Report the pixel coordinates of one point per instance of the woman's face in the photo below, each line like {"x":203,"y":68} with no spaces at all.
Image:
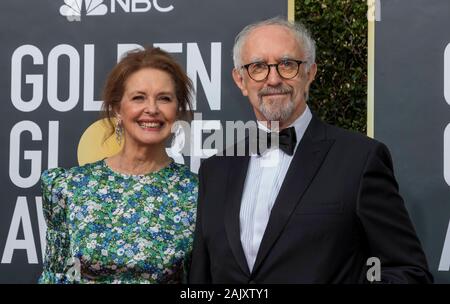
{"x":148,"y":107}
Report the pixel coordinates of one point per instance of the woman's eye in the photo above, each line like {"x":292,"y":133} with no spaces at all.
{"x":165,"y":98}
{"x":137,"y":97}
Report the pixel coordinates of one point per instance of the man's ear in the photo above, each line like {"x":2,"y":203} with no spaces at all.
{"x":239,"y":81}
{"x":312,"y":73}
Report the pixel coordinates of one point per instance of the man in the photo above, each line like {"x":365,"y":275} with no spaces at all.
{"x":329,"y":205}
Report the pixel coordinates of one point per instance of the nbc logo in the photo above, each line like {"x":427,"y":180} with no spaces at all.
{"x":73,"y":9}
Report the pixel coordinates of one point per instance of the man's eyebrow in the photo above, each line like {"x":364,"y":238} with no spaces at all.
{"x":259,"y":59}
{"x":256,"y":59}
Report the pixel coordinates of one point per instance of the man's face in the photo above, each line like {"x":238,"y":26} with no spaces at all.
{"x":275,"y":98}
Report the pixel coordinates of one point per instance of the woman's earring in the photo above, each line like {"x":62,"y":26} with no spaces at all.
{"x":119,"y":130}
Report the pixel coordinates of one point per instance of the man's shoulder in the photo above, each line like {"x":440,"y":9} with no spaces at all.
{"x":354,"y":145}
{"x":350,"y":138}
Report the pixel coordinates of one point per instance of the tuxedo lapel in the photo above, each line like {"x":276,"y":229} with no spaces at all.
{"x":308,"y":158}
{"x":235,"y":184}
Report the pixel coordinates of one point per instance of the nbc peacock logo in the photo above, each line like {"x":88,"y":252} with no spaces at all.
{"x":73,"y":9}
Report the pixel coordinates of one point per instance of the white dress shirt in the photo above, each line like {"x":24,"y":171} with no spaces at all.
{"x":265,"y":176}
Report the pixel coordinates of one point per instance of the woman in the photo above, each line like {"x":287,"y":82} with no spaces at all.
{"x":128,"y":218}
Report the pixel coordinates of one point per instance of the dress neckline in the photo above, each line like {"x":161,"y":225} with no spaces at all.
{"x":126,"y":175}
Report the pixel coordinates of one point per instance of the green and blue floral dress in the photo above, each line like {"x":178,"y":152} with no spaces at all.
{"x":108,"y":227}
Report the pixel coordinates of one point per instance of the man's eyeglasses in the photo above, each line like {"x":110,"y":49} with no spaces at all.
{"x":287,"y":69}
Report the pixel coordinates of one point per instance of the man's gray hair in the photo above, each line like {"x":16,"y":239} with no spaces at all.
{"x":297,"y":28}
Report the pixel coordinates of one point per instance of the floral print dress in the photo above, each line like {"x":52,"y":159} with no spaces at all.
{"x":108,"y":227}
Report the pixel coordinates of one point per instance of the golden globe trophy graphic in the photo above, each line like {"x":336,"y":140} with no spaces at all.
{"x":95,"y":144}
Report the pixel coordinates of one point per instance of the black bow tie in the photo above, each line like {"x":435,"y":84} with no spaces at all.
{"x":287,"y":139}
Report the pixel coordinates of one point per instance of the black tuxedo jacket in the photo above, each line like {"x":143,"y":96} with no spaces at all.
{"x":338,"y":206}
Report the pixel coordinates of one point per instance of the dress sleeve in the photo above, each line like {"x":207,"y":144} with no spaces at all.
{"x":191,"y":209}
{"x":53,"y":182}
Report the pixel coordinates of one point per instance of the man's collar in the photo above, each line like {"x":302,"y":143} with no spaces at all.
{"x":300,"y":124}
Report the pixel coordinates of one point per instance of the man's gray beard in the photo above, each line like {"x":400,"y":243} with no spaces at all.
{"x":274,"y":113}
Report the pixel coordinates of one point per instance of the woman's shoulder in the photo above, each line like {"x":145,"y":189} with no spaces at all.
{"x":184,"y":172}
{"x":184,"y":183}
{"x":54,"y":175}
{"x":49,"y":176}
{"x":57,"y":184}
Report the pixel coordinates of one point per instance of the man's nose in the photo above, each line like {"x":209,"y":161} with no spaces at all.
{"x":273,"y":78}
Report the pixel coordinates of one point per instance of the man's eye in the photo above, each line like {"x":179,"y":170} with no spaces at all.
{"x":288,"y":64}
{"x":258,"y":66}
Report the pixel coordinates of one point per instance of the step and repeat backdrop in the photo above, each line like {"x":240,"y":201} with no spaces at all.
{"x":54,"y":58}
{"x":412,"y":114}
{"x":56,"y":54}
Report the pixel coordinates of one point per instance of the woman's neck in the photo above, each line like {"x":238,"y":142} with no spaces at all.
{"x":139,"y":161}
